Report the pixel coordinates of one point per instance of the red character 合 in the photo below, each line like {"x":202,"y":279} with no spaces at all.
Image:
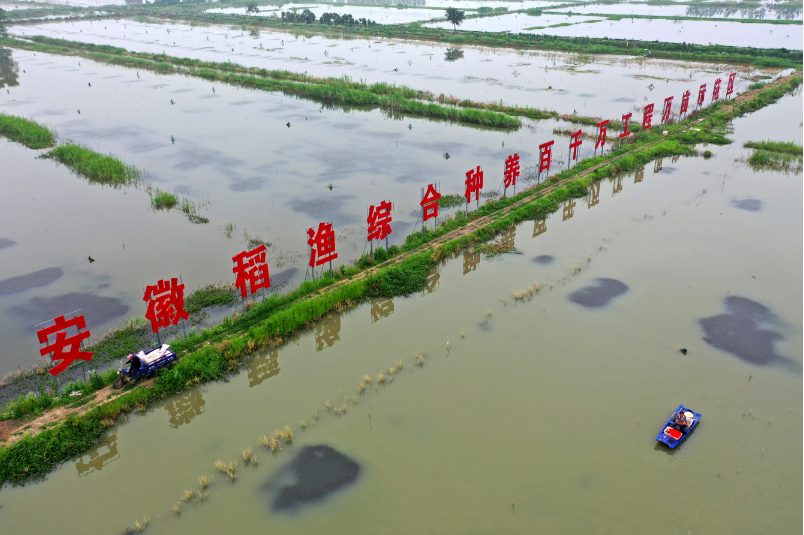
{"x":322,"y":244}
{"x":71,"y":344}
{"x":716,"y":90}
{"x":647,"y":117}
{"x":685,"y":102}
{"x":601,"y":133}
{"x":167,"y":306}
{"x":251,"y":270}
{"x":545,"y":155}
{"x":626,"y":119}
{"x":429,"y":203}
{"x":701,"y":95}
{"x":575,"y":142}
{"x":474,"y":183}
{"x":379,"y":221}
{"x":511,"y":170}
{"x":668,"y":105}
{"x":730,"y":86}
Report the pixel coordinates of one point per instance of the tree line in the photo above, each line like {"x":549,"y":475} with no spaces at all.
{"x":308,"y":17}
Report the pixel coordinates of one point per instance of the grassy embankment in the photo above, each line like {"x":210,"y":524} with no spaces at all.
{"x":30,"y":133}
{"x":778,"y":155}
{"x":220,"y":351}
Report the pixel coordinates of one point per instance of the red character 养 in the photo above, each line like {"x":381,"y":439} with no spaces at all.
{"x":511,"y":170}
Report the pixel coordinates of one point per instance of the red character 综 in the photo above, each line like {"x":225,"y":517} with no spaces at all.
{"x":545,"y":155}
{"x":429,"y":203}
{"x":716,"y":90}
{"x":322,"y":244}
{"x":575,"y":142}
{"x":167,"y":305}
{"x":730,"y":86}
{"x":668,"y":105}
{"x":379,"y":221}
{"x":701,"y":95}
{"x":72,"y":344}
{"x":601,"y":134}
{"x":647,"y":117}
{"x":626,"y":119}
{"x":474,"y":183}
{"x":685,"y":102}
{"x":511,"y":170}
{"x":251,"y":270}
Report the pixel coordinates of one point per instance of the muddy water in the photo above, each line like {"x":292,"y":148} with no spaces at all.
{"x":540,"y":414}
{"x":562,"y":82}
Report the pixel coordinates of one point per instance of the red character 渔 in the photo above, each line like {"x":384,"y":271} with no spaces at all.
{"x":251,"y":270}
{"x":716,"y":90}
{"x":71,"y":344}
{"x":730,"y":85}
{"x":322,"y":244}
{"x":165,"y":303}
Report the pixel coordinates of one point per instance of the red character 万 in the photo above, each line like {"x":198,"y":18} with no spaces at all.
{"x":668,"y":105}
{"x":474,"y":183}
{"x":65,"y":349}
{"x":730,"y":85}
{"x":647,"y":117}
{"x":511,"y":170}
{"x":601,"y":134}
{"x":165,"y":304}
{"x":626,"y":119}
{"x":701,"y":95}
{"x":379,"y":221}
{"x":685,"y":102}
{"x":429,"y":203}
{"x":716,"y":90}
{"x":575,"y":142}
{"x":322,"y":244}
{"x":251,"y":270}
{"x":545,"y":155}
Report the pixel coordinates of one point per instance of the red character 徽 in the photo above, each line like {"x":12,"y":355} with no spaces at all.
{"x":511,"y":170}
{"x":167,"y":306}
{"x":322,"y":244}
{"x":474,"y":183}
{"x":251,"y":270}
{"x":72,"y":344}
{"x":601,"y":134}
{"x":429,"y":203}
{"x":379,"y":220}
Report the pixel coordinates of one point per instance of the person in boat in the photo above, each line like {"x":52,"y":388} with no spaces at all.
{"x":682,"y":421}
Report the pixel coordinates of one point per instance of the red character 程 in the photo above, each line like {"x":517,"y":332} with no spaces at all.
{"x":730,"y":85}
{"x":71,"y":344}
{"x":251,"y":270}
{"x":322,"y":244}
{"x":685,"y":102}
{"x":647,"y":117}
{"x":429,"y":203}
{"x":511,"y":170}
{"x":668,"y":105}
{"x":545,"y":155}
{"x":626,"y":119}
{"x":601,"y":133}
{"x":379,"y":220}
{"x":716,"y":90}
{"x":575,"y":142}
{"x":474,"y":183}
{"x":701,"y":95}
{"x":167,"y":305}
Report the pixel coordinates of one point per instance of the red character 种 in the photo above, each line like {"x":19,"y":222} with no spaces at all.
{"x":251,"y":270}
{"x":575,"y":142}
{"x":701,"y":95}
{"x":601,"y":134}
{"x":379,"y":220}
{"x":474,"y":183}
{"x":545,"y":155}
{"x":626,"y":118}
{"x":730,"y":86}
{"x":322,"y":244}
{"x":72,"y":344}
{"x":716,"y":90}
{"x":511,"y":170}
{"x":685,"y":102}
{"x":429,"y":203}
{"x":668,"y":105}
{"x":167,"y":306}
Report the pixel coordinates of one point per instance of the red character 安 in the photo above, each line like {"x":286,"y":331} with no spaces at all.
{"x":322,"y":244}
{"x":65,"y":349}
{"x":379,"y":221}
{"x":251,"y":270}
{"x":429,"y":203}
{"x":474,"y":183}
{"x":165,"y":303}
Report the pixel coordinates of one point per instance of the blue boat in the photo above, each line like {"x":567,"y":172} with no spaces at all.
{"x":671,"y":434}
{"x":144,"y":363}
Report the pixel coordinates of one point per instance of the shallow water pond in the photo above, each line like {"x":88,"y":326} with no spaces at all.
{"x":635,"y":8}
{"x":381,"y":15}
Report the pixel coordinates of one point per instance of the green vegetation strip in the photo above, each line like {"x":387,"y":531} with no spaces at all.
{"x":30,"y":133}
{"x":97,"y":168}
{"x":221,"y":351}
{"x":777,"y":155}
{"x":611,"y":16}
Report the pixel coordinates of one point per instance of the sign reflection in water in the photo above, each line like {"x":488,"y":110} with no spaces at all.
{"x":594,"y":195}
{"x":327,"y":331}
{"x":470,"y":261}
{"x":381,"y":308}
{"x":539,"y":227}
{"x":569,"y":209}
{"x":262,"y":366}
{"x":98,"y":457}
{"x":639,"y":175}
{"x":431,"y":284}
{"x":185,"y":407}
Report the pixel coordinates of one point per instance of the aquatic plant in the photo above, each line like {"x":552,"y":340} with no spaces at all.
{"x":187,"y":495}
{"x":287,"y":435}
{"x":366,"y":378}
{"x":380,"y":378}
{"x":205,"y":480}
{"x":247,"y":455}
{"x":96,"y":168}
{"x":361,"y":388}
{"x":303,"y":424}
{"x":30,"y":133}
{"x":176,"y":508}
{"x":141,"y":525}
{"x":163,"y":200}
{"x":785,"y":147}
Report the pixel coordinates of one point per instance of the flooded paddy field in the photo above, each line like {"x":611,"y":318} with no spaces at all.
{"x":532,"y":414}
{"x":380,"y":15}
{"x":766,"y":12}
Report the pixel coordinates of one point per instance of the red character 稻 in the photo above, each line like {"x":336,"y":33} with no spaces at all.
{"x":701,"y":95}
{"x":251,"y":270}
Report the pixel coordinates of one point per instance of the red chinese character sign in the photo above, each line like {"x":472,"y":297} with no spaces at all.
{"x":251,"y":271}
{"x":65,"y":348}
{"x":716,"y":90}
{"x":429,"y":203}
{"x":601,"y":135}
{"x":165,"y":304}
{"x":668,"y":106}
{"x":685,"y":102}
{"x":575,"y":142}
{"x":379,"y":223}
{"x":730,"y":86}
{"x":322,"y":245}
{"x":647,"y":117}
{"x":511,"y":171}
{"x":626,"y":132}
{"x":474,"y":183}
{"x":545,"y":155}
{"x":701,"y":95}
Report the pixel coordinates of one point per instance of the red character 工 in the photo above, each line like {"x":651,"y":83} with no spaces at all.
{"x":685,"y":102}
{"x":429,"y":203}
{"x":322,"y":244}
{"x":701,"y":95}
{"x":601,"y":134}
{"x":668,"y":104}
{"x":575,"y":142}
{"x":626,"y":118}
{"x":716,"y":90}
{"x":251,"y":270}
{"x":545,"y":155}
{"x":647,"y":117}
{"x":474,"y":183}
{"x":72,"y":344}
{"x":167,"y":306}
{"x":511,"y":170}
{"x":730,"y":86}
{"x":379,"y":220}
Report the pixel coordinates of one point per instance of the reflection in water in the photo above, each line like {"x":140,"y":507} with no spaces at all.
{"x":185,"y":407}
{"x":657,"y":165}
{"x":594,"y":194}
{"x":569,"y":209}
{"x":327,"y":331}
{"x":618,"y":186}
{"x":453,"y":54}
{"x":431,"y":284}
{"x":8,"y":69}
{"x":675,"y":158}
{"x":507,"y":237}
{"x":262,"y":366}
{"x":539,"y":227}
{"x":639,"y":175}
{"x":381,"y":308}
{"x":98,"y":457}
{"x":470,"y":261}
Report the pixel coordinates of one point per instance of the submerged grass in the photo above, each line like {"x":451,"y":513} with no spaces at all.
{"x":30,"y":133}
{"x":95,"y":167}
{"x":787,"y":147}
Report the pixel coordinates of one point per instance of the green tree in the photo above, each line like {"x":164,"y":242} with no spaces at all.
{"x":252,"y":8}
{"x":307,"y":17}
{"x":455,"y":17}
{"x":3,"y":24}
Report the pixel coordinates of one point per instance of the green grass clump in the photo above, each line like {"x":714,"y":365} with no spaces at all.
{"x":380,"y":254}
{"x":163,"y":200}
{"x":450,"y":201}
{"x":30,"y":133}
{"x":97,"y":168}
{"x":787,"y":147}
{"x":775,"y":160}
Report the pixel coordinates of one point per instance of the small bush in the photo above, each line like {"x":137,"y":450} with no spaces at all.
{"x":96,"y":381}
{"x":365,"y":261}
{"x":380,"y":255}
{"x":393,"y":251}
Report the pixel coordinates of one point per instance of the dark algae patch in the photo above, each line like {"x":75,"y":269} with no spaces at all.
{"x":544,"y":259}
{"x":31,"y":280}
{"x":96,"y":309}
{"x":5,"y":242}
{"x":315,"y":473}
{"x":598,"y":295}
{"x":752,"y":205}
{"x":740,"y":332}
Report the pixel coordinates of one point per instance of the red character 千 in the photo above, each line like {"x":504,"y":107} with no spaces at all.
{"x":322,"y":244}
{"x":251,"y":270}
{"x":167,"y":306}
{"x":72,"y":344}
